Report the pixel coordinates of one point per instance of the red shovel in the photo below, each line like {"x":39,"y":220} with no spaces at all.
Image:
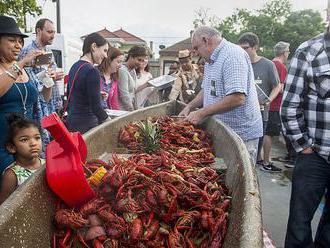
{"x":65,"y":156}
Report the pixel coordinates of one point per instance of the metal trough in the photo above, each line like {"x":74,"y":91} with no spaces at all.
{"x":26,"y":216}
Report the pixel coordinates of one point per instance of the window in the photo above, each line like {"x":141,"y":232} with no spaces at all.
{"x":58,"y":58}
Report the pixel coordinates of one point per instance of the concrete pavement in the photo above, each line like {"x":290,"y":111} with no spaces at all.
{"x":275,"y":196}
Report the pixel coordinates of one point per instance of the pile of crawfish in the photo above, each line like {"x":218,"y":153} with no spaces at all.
{"x":170,"y":198}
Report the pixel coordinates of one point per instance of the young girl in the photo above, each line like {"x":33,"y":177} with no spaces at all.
{"x":24,"y":142}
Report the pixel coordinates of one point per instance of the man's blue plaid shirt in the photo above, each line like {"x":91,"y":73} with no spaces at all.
{"x":43,"y":108}
{"x":230,"y":71}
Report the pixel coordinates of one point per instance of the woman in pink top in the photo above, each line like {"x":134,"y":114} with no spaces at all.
{"x":109,"y":71}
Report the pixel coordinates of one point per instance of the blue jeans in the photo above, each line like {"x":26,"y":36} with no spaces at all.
{"x":310,"y":181}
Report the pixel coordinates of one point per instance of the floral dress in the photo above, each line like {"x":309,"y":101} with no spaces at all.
{"x":22,"y":174}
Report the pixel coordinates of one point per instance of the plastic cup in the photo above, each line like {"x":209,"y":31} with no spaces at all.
{"x":48,"y":81}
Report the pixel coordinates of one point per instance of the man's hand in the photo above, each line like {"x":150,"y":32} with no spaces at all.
{"x":196,"y":117}
{"x":59,"y":75}
{"x":185,"y":111}
{"x":307,"y":150}
{"x":55,"y":74}
{"x":29,"y":58}
{"x":264,"y":103}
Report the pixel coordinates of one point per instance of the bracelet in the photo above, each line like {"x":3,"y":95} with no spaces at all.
{"x":10,"y":75}
{"x":17,"y":69}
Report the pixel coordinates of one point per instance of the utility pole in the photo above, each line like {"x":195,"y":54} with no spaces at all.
{"x":328,"y":11}
{"x":58,"y":15}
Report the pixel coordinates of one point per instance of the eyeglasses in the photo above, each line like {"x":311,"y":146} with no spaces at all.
{"x":245,"y":47}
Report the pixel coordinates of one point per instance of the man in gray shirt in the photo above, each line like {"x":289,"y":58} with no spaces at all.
{"x":267,"y":81}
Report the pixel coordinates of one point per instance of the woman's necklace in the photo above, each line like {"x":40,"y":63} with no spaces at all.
{"x":24,"y":99}
{"x":18,"y":79}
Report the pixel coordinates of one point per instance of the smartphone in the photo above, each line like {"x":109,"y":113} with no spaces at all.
{"x":44,"y":59}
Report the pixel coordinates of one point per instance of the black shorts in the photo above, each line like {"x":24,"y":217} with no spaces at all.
{"x":274,"y":124}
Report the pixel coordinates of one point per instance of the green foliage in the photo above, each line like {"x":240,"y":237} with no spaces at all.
{"x":301,"y":26}
{"x":274,"y":22}
{"x":276,"y":9}
{"x":19,"y":8}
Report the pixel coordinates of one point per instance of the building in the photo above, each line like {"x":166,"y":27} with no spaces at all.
{"x":170,"y":54}
{"x":121,"y":39}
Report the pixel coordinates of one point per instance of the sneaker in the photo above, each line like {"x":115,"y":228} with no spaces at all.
{"x":289,"y":165}
{"x":286,"y":159}
{"x":270,"y":168}
{"x":260,"y":162}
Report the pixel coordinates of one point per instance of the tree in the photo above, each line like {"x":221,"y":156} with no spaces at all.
{"x":301,"y":26}
{"x":274,"y":22}
{"x":19,"y":8}
{"x":234,"y":25}
{"x":203,"y":18}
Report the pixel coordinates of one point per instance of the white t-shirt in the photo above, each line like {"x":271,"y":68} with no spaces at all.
{"x":143,"y":78}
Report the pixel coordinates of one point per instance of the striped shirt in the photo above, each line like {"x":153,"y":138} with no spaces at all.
{"x":230,"y":71}
{"x":305,"y":110}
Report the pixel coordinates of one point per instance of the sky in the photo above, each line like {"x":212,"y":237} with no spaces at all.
{"x":163,"y":22}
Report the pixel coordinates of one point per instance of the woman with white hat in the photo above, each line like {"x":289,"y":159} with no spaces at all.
{"x":17,"y":93}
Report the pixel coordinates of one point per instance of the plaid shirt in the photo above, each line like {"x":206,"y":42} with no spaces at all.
{"x":55,"y":102}
{"x":305,"y":110}
{"x":230,"y":71}
{"x":44,"y":108}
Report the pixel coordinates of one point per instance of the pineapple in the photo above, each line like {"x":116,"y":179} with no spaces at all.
{"x":150,"y":135}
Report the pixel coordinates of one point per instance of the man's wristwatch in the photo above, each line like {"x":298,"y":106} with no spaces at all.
{"x":17,"y":69}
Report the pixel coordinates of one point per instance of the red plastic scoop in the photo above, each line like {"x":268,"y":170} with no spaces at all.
{"x":64,"y":158}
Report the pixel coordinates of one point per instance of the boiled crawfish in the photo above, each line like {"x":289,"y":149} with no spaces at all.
{"x":70,"y":219}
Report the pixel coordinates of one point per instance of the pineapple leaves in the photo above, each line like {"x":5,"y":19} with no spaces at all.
{"x":150,"y":135}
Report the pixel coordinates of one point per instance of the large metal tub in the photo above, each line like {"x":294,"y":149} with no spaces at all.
{"x":26,"y":216}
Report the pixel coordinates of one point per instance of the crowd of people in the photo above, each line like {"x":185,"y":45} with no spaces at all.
{"x":256,"y":97}
{"x":98,"y":81}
